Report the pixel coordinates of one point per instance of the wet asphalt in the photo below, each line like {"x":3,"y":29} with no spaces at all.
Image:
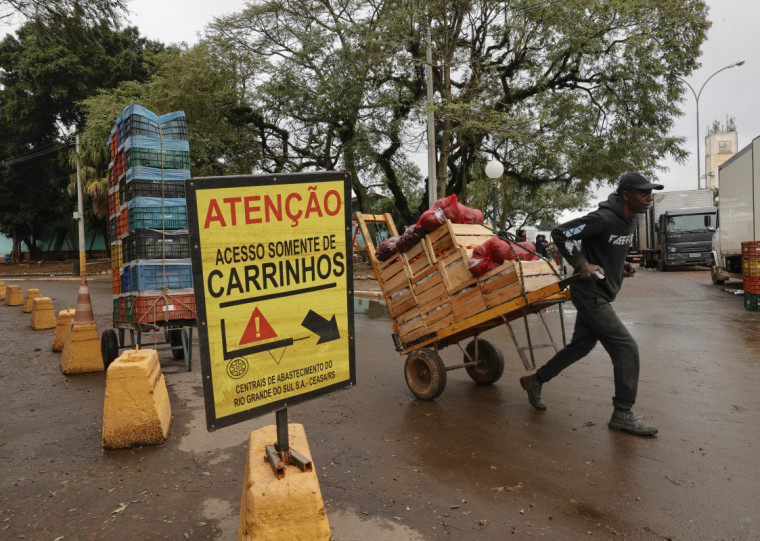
{"x":478,"y":463}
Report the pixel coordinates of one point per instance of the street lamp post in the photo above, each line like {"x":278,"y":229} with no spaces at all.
{"x":696,"y":99}
{"x":494,"y":169}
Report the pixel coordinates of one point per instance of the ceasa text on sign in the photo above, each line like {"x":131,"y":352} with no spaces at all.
{"x":272,"y":271}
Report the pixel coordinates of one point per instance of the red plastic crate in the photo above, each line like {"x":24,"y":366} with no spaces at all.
{"x":752,"y":284}
{"x":119,"y":166}
{"x":114,"y":145}
{"x":122,"y":222}
{"x":113,"y":203}
{"x":123,"y":307}
{"x":150,"y":308}
{"x":751,"y":249}
{"x":115,"y":281}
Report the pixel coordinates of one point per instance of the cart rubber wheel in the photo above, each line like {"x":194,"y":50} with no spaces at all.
{"x":175,"y":339}
{"x":109,"y":347}
{"x":491,"y":359}
{"x":425,"y":374}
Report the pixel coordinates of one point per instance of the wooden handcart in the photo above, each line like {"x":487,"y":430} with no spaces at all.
{"x":435,"y":301}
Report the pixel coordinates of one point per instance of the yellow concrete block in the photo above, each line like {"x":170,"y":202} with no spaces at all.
{"x":43,"y":314}
{"x":13,"y":296}
{"x":31,"y":294}
{"x":81,"y":351}
{"x":273,"y":509}
{"x":62,"y":328}
{"x":2,"y":291}
{"x":136,"y":410}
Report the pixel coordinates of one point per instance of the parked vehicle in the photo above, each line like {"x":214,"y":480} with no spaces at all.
{"x":739,"y":210}
{"x":677,"y":230}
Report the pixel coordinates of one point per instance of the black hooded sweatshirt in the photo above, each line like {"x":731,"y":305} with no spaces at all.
{"x":605,"y":236}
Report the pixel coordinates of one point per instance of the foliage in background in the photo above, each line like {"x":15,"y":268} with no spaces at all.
{"x":564,"y":93}
{"x":77,"y":18}
{"x":42,"y":81}
{"x":567,"y":94}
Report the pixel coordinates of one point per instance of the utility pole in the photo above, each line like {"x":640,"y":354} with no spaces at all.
{"x":79,"y":215}
{"x":432,"y":183}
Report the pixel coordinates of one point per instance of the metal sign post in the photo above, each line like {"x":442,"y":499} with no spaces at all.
{"x":280,"y":454}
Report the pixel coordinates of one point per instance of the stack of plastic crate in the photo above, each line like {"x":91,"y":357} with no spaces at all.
{"x":751,"y":274}
{"x":152,"y":276}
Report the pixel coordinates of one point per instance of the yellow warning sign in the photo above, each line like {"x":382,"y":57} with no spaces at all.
{"x":272,"y":275}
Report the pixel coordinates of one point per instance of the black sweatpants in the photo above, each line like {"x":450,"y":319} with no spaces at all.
{"x":596,"y":321}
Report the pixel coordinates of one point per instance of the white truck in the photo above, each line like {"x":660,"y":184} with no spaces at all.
{"x":739,"y":210}
{"x":677,"y":229}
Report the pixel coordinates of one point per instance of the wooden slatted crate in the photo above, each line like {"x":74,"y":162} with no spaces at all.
{"x":430,"y":287}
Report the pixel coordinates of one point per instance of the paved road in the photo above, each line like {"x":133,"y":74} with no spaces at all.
{"x":476,"y":464}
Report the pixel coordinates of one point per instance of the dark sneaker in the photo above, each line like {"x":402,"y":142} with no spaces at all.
{"x":532,"y":386}
{"x":626,"y":421}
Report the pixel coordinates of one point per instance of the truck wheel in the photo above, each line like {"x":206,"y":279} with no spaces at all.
{"x":425,"y":374}
{"x":714,"y":275}
{"x":109,"y":347}
{"x":490,"y":360}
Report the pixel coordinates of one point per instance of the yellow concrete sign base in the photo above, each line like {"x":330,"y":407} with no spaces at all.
{"x":136,"y":409}
{"x":81,"y":351}
{"x":43,"y":314}
{"x":2,"y":291}
{"x":274,"y":509}
{"x":62,"y":328}
{"x":31,"y":294}
{"x":14,"y":296}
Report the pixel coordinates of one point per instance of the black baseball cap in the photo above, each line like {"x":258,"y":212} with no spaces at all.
{"x":634,"y":180}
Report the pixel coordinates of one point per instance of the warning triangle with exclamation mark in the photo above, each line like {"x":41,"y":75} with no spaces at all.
{"x":258,"y":329}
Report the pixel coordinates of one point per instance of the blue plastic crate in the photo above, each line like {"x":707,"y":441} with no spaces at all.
{"x":126,"y":279}
{"x":157,"y":213}
{"x":153,"y":274}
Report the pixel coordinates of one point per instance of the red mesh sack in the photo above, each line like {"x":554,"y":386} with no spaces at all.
{"x":479,"y":266}
{"x":471,"y":215}
{"x":500,"y":250}
{"x":431,"y":219}
{"x":387,"y":248}
{"x":510,"y":251}
{"x":410,"y":237}
{"x":451,"y":208}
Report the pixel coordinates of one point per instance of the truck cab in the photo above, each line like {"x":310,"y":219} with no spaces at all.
{"x":685,"y":236}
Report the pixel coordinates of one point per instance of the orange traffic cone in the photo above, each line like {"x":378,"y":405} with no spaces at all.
{"x":83,"y":314}
{"x":81,"y":351}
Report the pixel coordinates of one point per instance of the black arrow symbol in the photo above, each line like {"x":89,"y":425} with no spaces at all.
{"x":327,"y":330}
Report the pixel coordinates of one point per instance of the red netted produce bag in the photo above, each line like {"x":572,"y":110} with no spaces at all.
{"x":431,"y":219}
{"x":471,"y":215}
{"x":502,"y":250}
{"x":402,"y":243}
{"x":496,"y":251}
{"x":387,"y":248}
{"x":479,"y":266}
{"x":410,"y":237}
{"x":453,"y":210}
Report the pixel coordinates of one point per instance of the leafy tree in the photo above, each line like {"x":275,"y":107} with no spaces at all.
{"x":328,"y":94}
{"x":74,"y":17}
{"x":570,"y":92}
{"x":41,"y":83}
